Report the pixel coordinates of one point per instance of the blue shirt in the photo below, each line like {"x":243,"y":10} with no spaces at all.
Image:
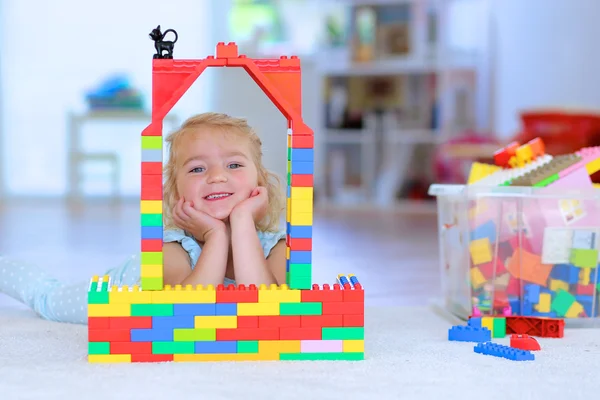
{"x":268,"y":240}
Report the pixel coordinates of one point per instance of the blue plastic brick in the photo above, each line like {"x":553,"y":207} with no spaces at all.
{"x":499,"y":350}
{"x":487,"y":230}
{"x":475,"y":322}
{"x":532,"y":293}
{"x":469,"y":334}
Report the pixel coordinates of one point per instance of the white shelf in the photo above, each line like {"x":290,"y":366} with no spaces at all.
{"x":396,"y":66}
{"x":400,"y":206}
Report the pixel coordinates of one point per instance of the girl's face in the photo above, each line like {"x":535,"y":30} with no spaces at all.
{"x":215,"y":171}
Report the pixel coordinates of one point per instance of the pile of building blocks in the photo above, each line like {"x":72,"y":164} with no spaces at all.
{"x":536,"y":255}
{"x":522,"y":329}
{"x":296,"y":321}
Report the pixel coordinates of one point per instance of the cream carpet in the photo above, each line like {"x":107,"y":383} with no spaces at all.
{"x":408,"y":357}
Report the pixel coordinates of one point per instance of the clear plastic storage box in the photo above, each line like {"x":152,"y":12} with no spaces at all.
{"x":530,"y":250}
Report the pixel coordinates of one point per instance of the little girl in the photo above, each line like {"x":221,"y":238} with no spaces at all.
{"x":221,"y":211}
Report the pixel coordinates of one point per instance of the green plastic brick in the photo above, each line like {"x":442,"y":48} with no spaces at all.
{"x":289,"y":154}
{"x":301,"y":308}
{"x":289,"y":179}
{"x":584,"y":258}
{"x":195,"y":335}
{"x":173,"y":347}
{"x":299,"y":282}
{"x":499,"y":327}
{"x":98,"y":298}
{"x":152,"y":219}
{"x":152,"y":310}
{"x":321,"y":356}
{"x":152,"y":257}
{"x":562,"y":302}
{"x":301,"y":270}
{"x":152,"y":142}
{"x":152,"y":284}
{"x":247,"y":346}
{"x":545,"y":182}
{"x":94,"y":287}
{"x":98,"y":348}
{"x":343,"y":333}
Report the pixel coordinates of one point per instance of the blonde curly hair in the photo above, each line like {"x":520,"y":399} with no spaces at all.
{"x":238,"y":126}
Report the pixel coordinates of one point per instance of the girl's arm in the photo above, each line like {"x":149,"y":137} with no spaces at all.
{"x":249,"y":261}
{"x":209,"y":269}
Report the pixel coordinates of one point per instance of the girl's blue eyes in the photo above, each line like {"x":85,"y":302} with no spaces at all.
{"x":232,"y":166}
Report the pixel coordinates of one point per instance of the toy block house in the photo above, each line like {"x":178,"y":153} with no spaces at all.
{"x":300,"y":320}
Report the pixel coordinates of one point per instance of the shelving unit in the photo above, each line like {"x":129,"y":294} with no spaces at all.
{"x":405,"y":104}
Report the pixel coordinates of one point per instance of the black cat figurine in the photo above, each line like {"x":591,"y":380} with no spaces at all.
{"x":163,"y":45}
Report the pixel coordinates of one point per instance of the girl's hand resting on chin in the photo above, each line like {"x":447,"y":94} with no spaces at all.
{"x":198,"y":223}
{"x":256,"y":205}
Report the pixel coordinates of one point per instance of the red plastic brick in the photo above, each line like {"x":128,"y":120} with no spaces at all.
{"x":248,"y":334}
{"x":303,"y":141}
{"x":239,"y":294}
{"x":302,"y":180}
{"x":586,"y":289}
{"x":151,"y":357}
{"x":98,"y":322}
{"x":354,"y":320}
{"x":247,"y":321}
{"x":152,"y":168}
{"x":354,"y":295}
{"x":524,"y":342}
{"x":131,"y":348}
{"x":326,"y":294}
{"x":152,"y":188}
{"x":153,"y":245}
{"x":131,"y":322}
{"x":299,"y":244}
{"x":279,"y":321}
{"x":227,"y":50}
{"x":487,"y":269}
{"x":321,"y":321}
{"x":343,"y":308}
{"x":535,"y":326}
{"x":109,"y":335}
{"x":300,"y":334}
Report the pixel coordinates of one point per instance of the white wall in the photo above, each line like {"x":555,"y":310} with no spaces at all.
{"x":53,"y":51}
{"x":547,"y":55}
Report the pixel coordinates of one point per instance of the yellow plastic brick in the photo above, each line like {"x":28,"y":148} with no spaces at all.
{"x":278,"y":294}
{"x":279,"y":346}
{"x":556,"y":285}
{"x":301,"y":193}
{"x":151,"y":271}
{"x":215,"y":321}
{"x":481,"y":251}
{"x":300,"y":205}
{"x":109,"y":310}
{"x":109,"y":358}
{"x":257,"y":309}
{"x":151,"y":207}
{"x":584,"y":276}
{"x":477,"y":278}
{"x":353,"y":346}
{"x":593,"y":166}
{"x":543,"y":305}
{"x":488,"y":322}
{"x":301,"y":219}
{"x":574,"y":311}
